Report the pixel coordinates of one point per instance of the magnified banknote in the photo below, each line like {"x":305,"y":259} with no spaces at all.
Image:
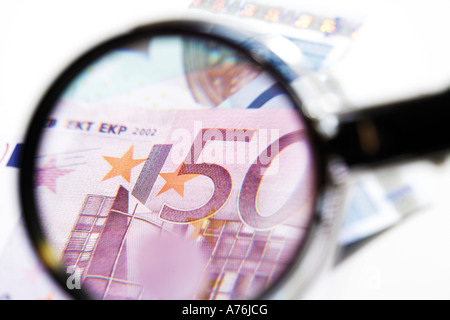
{"x":147,"y":192}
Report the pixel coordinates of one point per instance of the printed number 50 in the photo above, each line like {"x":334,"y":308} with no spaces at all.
{"x":218,"y":174}
{"x":223,"y":183}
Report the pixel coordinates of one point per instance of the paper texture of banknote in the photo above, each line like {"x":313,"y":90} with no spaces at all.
{"x":22,"y":275}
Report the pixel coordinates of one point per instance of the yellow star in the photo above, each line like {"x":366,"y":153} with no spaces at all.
{"x":175,"y":181}
{"x":210,"y":223}
{"x":216,"y":224}
{"x":198,"y":225}
{"x":122,"y":166}
{"x":201,"y":224}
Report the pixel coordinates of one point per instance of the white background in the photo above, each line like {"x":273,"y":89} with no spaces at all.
{"x":403,"y":50}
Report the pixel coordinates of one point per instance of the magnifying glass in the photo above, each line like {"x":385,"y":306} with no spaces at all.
{"x":186,"y":161}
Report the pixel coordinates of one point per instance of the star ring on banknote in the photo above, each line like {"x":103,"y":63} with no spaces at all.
{"x":189,"y":160}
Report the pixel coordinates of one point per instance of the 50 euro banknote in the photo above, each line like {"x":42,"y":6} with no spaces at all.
{"x":238,"y":186}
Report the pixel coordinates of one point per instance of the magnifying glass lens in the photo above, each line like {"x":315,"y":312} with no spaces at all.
{"x":173,"y":167}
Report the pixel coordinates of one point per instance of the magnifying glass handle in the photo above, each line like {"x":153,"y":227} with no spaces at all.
{"x":412,"y":128}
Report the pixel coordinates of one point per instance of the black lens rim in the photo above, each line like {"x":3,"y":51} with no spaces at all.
{"x":231,"y":37}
